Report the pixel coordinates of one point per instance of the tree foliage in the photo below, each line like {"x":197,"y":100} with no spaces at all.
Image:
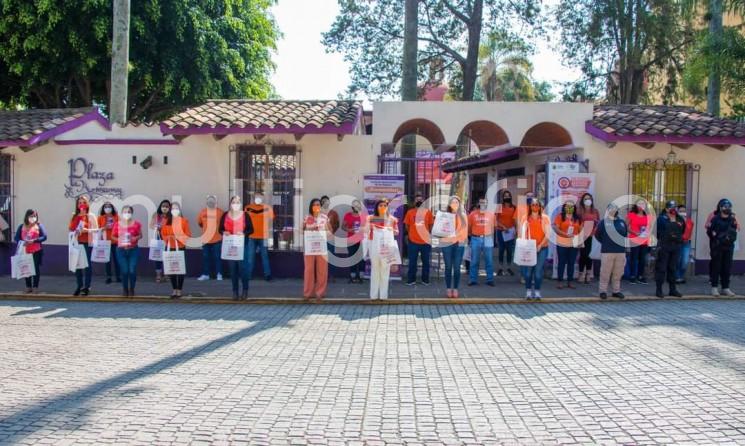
{"x":369,"y":33}
{"x":56,"y":53}
{"x":619,"y":44}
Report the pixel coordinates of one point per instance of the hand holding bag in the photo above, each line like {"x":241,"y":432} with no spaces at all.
{"x":526,"y":251}
{"x":156,"y":249}
{"x":232,"y":247}
{"x":101,"y":252}
{"x":315,"y":243}
{"x":174,"y":262}
{"x":77,"y":258}
{"x":444,"y":225}
{"x":22,"y":264}
{"x":595,"y":251}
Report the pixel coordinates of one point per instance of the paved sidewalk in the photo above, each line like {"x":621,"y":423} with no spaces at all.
{"x":150,"y":374}
{"x":506,"y":288}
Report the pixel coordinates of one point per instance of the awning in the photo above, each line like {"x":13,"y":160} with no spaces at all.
{"x":482,"y":160}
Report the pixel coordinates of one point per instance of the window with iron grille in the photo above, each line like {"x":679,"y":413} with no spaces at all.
{"x":662,"y":180}
{"x":257,"y":170}
{"x":6,"y":197}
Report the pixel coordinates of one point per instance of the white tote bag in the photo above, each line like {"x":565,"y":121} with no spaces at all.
{"x":22,"y":264}
{"x":156,"y":249}
{"x":526,"y":251}
{"x":315,"y":243}
{"x":174,"y":262}
{"x":101,"y":252}
{"x":384,"y":246}
{"x":444,"y":225}
{"x":595,"y":253}
{"x":232,"y":247}
{"x":77,"y":258}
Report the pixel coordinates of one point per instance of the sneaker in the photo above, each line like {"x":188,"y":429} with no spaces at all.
{"x":108,"y":280}
{"x":423,"y":283}
{"x":509,"y":271}
{"x":410,"y":283}
{"x":728,"y":292}
{"x":203,"y":277}
{"x":715,"y":291}
{"x":85,"y":291}
{"x":618,"y":295}
{"x":675,"y":293}
{"x":633,"y":281}
{"x":219,"y":277}
{"x":537,"y":295}
{"x":500,"y":272}
{"x":529,"y":294}
{"x":659,"y":293}
{"x":642,"y":280}
{"x":491,"y":283}
{"x":472,"y":283}
{"x":268,"y":278}
{"x":603,"y":296}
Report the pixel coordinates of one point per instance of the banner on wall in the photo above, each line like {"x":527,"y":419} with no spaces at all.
{"x":378,"y":186}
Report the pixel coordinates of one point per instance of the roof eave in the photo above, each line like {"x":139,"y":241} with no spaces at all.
{"x":671,"y":139}
{"x":43,"y":137}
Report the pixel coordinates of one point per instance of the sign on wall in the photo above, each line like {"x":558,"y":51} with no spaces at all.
{"x":84,"y":179}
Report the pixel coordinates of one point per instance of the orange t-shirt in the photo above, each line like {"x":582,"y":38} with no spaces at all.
{"x":536,"y":229}
{"x":506,"y":217}
{"x":106,"y":222}
{"x":262,"y":219}
{"x":419,"y":226}
{"x":83,"y":222}
{"x":209,"y":221}
{"x":481,"y":223}
{"x":568,"y":226}
{"x":176,"y":233}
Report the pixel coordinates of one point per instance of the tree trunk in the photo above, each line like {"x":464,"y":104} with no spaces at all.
{"x":713,"y":91}
{"x":409,"y":91}
{"x":470,"y":70}
{"x":119,"y":63}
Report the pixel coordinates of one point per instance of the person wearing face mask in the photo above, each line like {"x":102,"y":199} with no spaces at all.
{"x":84,"y":225}
{"x":722,"y":231}
{"x":352,"y":224}
{"x":454,"y":247}
{"x":209,"y":220}
{"x":236,"y":222}
{"x":685,"y":248}
{"x":535,"y":226}
{"x":175,"y":232}
{"x":106,"y":221}
{"x":611,"y":233}
{"x":315,"y":274}
{"x":262,"y":220}
{"x":567,"y":227}
{"x":506,"y":233}
{"x":481,"y":225}
{"x":589,"y":218}
{"x":127,"y":232}
{"x":333,"y":217}
{"x":32,"y":234}
{"x":707,"y":224}
{"x":380,"y":270}
{"x":156,"y":225}
{"x":640,"y":226}
{"x":670,"y":228}
{"x":418,"y":223}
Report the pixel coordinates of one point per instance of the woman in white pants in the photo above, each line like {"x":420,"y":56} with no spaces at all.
{"x":380,"y":270}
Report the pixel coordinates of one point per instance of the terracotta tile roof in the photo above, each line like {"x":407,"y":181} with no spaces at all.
{"x":30,"y":127}
{"x":659,"y":123}
{"x":247,"y":116}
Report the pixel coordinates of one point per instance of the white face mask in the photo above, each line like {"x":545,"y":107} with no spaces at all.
{"x":258,"y":200}
{"x":126,"y":215}
{"x":235,"y":206}
{"x":32,"y":220}
{"x":683,"y":213}
{"x":107,"y":210}
{"x":588,"y":202}
{"x":175,"y":212}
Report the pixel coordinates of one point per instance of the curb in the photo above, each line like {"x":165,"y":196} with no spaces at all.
{"x":346,"y":301}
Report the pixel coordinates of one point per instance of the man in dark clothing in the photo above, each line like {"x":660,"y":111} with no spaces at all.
{"x":612,"y":235}
{"x":722,"y":232}
{"x":670,"y":228}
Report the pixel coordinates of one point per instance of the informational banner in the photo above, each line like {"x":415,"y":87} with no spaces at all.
{"x":378,"y":186}
{"x":428,"y":167}
{"x":558,"y":171}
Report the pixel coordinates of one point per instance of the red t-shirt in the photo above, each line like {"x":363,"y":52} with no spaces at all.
{"x":354,"y":222}
{"x":640,"y":226}
{"x":125,"y":234}
{"x":236,"y":226}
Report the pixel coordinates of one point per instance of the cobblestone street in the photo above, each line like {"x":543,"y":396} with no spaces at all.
{"x":149,"y":374}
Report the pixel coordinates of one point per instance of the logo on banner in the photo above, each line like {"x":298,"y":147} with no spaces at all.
{"x":84,"y":179}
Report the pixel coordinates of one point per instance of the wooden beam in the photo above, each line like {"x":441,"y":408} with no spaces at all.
{"x":682,"y":146}
{"x":610,"y":144}
{"x":218,"y":137}
{"x":299,"y":136}
{"x":646,"y":145}
{"x":259,"y":136}
{"x":180,"y":138}
{"x":721,"y":147}
{"x":339,"y":137}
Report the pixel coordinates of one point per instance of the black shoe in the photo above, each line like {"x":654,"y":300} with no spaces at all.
{"x":618,"y":295}
{"x":643,"y":281}
{"x":235,"y":295}
{"x":108,"y":280}
{"x":244,"y":295}
{"x":132,"y":292}
{"x":425,"y":283}
{"x":490,"y":283}
{"x":603,"y":296}
{"x":118,"y":280}
{"x":679,"y":281}
{"x":125,"y":293}
{"x":509,"y":271}
{"x":659,"y":293}
{"x":85,"y":291}
{"x":500,"y":272}
{"x":633,"y":281}
{"x":76,"y":292}
{"x":410,"y":283}
{"x":268,"y":278}
{"x":675,"y":293}
{"x":472,"y":283}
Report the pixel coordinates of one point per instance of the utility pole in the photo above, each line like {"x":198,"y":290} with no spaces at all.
{"x":713,"y":92}
{"x":119,"y":63}
{"x":409,"y":89}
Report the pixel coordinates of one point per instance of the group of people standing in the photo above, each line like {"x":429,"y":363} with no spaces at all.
{"x":624,"y":243}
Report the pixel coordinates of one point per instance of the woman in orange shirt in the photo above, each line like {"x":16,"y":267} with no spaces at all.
{"x":453,"y":247}
{"x":106,"y":221}
{"x":506,"y":233}
{"x":536,"y":226}
{"x":83,"y":224}
{"x":567,"y":227}
{"x":175,"y":232}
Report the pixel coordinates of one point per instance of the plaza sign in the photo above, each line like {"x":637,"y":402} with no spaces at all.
{"x":85,"y":180}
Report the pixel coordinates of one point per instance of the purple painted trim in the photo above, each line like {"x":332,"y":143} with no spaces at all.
{"x":106,"y":141}
{"x":701,"y":267}
{"x":347,"y":128}
{"x":496,"y":157}
{"x":673,"y":139}
{"x":93,"y":115}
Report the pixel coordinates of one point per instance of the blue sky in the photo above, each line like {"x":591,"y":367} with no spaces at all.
{"x":305,"y":71}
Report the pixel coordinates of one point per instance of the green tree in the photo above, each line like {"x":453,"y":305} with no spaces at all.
{"x":618,"y":44}
{"x":56,"y":53}
{"x":369,"y":33}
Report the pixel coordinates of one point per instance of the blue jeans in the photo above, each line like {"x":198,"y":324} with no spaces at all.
{"x":262,"y":245}
{"x":567,"y":257}
{"x":211,"y":253}
{"x":506,"y":249}
{"x":478,"y":245}
{"x":83,"y":276}
{"x":127,"y":259}
{"x":533,"y":275}
{"x":453,"y":257}
{"x":638,"y":261}
{"x":113,"y":261}
{"x":685,"y":252}
{"x":415,"y":249}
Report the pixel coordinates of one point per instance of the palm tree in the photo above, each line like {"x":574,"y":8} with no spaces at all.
{"x":505,"y":71}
